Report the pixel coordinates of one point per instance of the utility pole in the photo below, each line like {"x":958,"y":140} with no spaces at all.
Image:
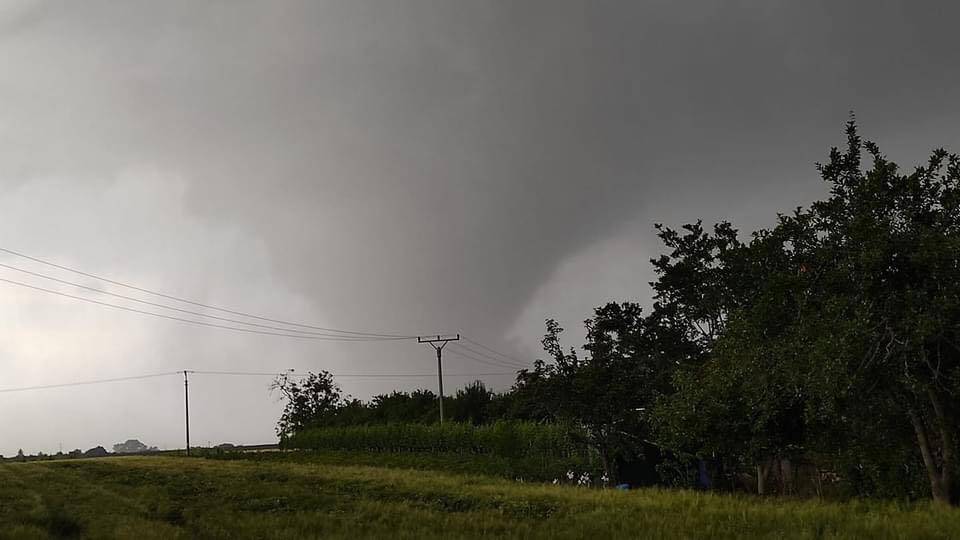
{"x":186,"y":408}
{"x":442,"y":340}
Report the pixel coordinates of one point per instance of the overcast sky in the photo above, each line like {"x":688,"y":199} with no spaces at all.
{"x":398,"y":166}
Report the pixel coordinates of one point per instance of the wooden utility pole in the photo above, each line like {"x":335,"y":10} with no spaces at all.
{"x":186,"y":408}
{"x":433,"y":341}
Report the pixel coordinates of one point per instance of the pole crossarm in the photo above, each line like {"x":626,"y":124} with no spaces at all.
{"x":439,"y":338}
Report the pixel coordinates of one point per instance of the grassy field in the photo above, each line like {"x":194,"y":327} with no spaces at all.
{"x":170,"y":497}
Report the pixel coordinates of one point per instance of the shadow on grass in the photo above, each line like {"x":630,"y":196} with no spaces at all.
{"x":54,"y":519}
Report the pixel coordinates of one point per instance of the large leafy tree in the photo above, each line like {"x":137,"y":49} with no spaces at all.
{"x":843,"y":313}
{"x":310,"y":401}
{"x":888,"y":259}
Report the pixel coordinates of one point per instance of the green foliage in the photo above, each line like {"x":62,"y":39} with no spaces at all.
{"x":317,"y":401}
{"x":608,"y":392}
{"x":699,"y":282}
{"x":508,"y":439}
{"x":471,"y":404}
{"x":838,"y":338}
{"x":889,"y":256}
{"x":513,"y":449}
{"x":417,"y":406}
{"x":309,"y":401}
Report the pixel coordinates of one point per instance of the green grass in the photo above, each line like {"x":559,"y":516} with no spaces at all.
{"x":169,"y":497}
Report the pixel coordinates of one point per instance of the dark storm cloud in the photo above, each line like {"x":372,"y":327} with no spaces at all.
{"x":433,"y":166}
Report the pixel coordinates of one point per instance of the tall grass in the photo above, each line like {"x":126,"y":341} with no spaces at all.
{"x":535,"y":452}
{"x":506,"y":439}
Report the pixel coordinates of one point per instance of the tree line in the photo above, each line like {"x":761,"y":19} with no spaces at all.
{"x":829,"y":340}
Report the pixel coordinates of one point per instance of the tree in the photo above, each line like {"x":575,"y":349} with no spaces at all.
{"x":888,"y":245}
{"x":470,"y":404}
{"x":741,"y":404}
{"x":132,"y":446}
{"x":418,"y":406}
{"x":610,"y":391}
{"x":96,"y":451}
{"x":309,"y":402}
{"x":531,"y":396}
{"x":842,"y":313}
{"x":702,"y":281}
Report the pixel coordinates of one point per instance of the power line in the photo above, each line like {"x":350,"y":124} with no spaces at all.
{"x":340,"y":335}
{"x":199,"y":304}
{"x":494,"y":351}
{"x":352,"y":375}
{"x":243,"y":373}
{"x":481,"y":360}
{"x":201,"y":323}
{"x":493,"y":358}
{"x":164,"y":306}
{"x":250,"y":373}
{"x":83,"y":383}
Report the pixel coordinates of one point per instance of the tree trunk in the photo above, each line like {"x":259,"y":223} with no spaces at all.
{"x":786,"y":476}
{"x":819,"y":483}
{"x":947,"y":447}
{"x":605,"y":463}
{"x":762,"y":470}
{"x":938,"y":475}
